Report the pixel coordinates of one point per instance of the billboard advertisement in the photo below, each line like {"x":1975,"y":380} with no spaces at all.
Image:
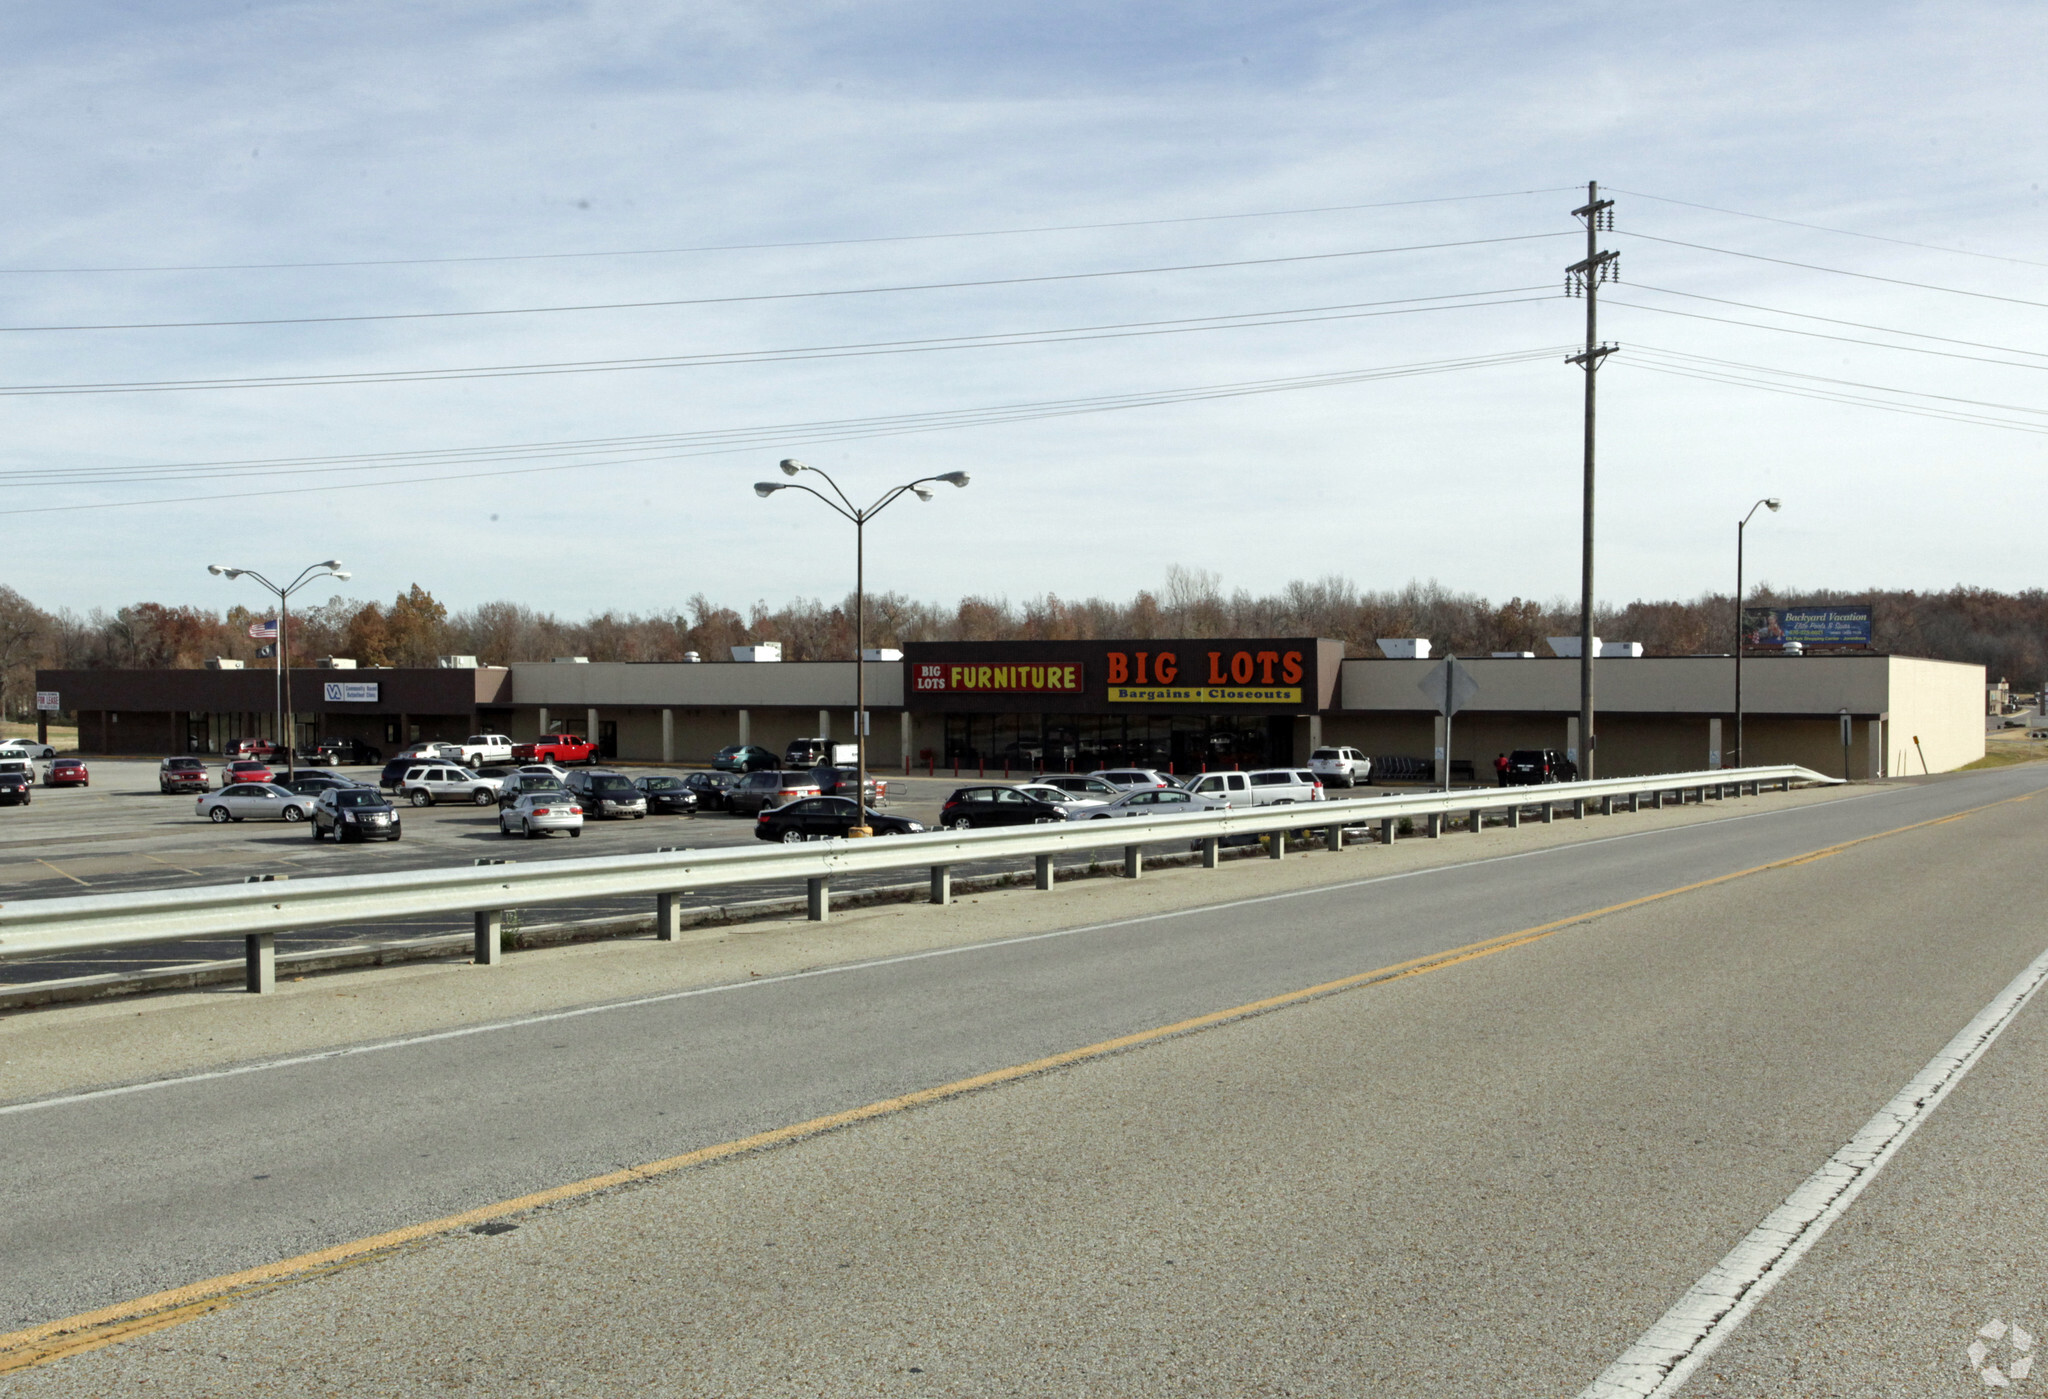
{"x":1768,"y":628}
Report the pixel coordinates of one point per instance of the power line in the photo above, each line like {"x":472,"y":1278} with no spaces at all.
{"x":775,"y":296}
{"x":1833,"y":320}
{"x":758,"y":247}
{"x":1848,"y":383}
{"x":1823,"y":228}
{"x":1796,"y":391}
{"x":1837,"y":271}
{"x":864,"y":349}
{"x":1823,"y":335}
{"x":746,"y":440}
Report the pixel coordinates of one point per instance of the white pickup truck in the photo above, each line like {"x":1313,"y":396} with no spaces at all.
{"x":481,"y":749}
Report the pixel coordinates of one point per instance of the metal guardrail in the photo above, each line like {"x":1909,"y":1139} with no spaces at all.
{"x":257,"y":912}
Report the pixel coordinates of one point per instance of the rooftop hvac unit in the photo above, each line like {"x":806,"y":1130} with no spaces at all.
{"x":1621,"y":650}
{"x":766,"y":651}
{"x":457,"y":662}
{"x":885,"y":653}
{"x":572,"y":660}
{"x":223,"y":663}
{"x":692,"y":658}
{"x":1405,"y":648}
{"x":1568,"y":646}
{"x":335,"y":663}
{"x":1514,"y":655}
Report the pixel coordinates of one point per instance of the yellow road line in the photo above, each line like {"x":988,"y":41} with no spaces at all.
{"x":168,"y":865}
{"x":87,"y":1331}
{"x":72,"y":877}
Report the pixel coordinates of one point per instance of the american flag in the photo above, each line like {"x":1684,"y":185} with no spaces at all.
{"x":263,"y":631}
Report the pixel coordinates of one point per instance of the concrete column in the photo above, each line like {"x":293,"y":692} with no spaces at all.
{"x":906,"y":741}
{"x":942,"y":884}
{"x":1441,"y":764}
{"x":543,"y":722}
{"x":1714,"y":743}
{"x":744,"y":737}
{"x":818,"y":897}
{"x":1315,"y":732}
{"x":668,"y":917}
{"x":1041,"y":874}
{"x":260,"y":959}
{"x":1212,"y":853}
{"x":668,"y":735}
{"x":590,"y":724}
{"x":825,"y":725}
{"x":1134,"y":862}
{"x":490,"y":937}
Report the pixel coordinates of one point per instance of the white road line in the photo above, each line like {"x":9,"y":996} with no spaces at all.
{"x":1667,"y":1354}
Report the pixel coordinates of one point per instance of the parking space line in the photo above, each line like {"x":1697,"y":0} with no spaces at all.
{"x":72,"y":877}
{"x":168,"y":865}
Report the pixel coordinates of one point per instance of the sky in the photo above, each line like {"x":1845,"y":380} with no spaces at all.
{"x":899,"y":239}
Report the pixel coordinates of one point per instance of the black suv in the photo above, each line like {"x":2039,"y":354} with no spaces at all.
{"x":608,"y":794}
{"x":354,"y":813}
{"x":333,"y":752}
{"x":1530,"y":767}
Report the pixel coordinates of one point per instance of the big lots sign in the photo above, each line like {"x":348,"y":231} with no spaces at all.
{"x":1108,"y":677}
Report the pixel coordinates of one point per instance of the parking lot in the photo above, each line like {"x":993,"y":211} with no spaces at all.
{"x":121,"y":834}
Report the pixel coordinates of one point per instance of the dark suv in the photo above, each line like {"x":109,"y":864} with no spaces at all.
{"x":354,"y":813}
{"x":333,"y":752}
{"x":608,"y":794}
{"x":1530,"y":767}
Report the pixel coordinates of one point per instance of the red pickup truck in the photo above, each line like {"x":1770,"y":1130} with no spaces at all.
{"x":555,"y":748}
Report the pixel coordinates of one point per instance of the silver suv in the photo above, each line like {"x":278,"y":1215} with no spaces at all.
{"x":434,"y":782}
{"x":1340,"y":767}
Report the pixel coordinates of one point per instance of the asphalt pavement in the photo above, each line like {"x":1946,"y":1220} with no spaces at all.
{"x":1485,"y":1178}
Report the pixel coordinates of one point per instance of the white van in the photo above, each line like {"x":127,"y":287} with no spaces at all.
{"x":1261,"y":787}
{"x":1340,"y":767}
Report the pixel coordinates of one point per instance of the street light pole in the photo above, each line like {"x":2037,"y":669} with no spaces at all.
{"x":1741,"y":528}
{"x":330,"y":569}
{"x":844,"y":507}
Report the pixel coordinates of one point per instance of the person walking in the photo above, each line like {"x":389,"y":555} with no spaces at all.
{"x":1500,"y":771}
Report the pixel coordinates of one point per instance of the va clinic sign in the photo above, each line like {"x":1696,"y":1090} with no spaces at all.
{"x":350,"y":691}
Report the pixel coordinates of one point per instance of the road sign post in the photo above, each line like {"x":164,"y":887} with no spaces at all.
{"x":1448,"y":688}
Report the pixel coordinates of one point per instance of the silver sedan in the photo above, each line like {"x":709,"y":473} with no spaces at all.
{"x":1158,"y":801}
{"x":537,"y":813}
{"x":255,"y":801}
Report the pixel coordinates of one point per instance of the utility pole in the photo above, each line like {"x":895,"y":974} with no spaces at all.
{"x":1584,"y":279}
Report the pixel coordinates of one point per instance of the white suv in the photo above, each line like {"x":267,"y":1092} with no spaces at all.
{"x":1340,"y":767}
{"x":1264,"y":787}
{"x":481,"y":750}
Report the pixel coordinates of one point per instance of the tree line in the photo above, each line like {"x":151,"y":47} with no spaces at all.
{"x":2007,"y":633}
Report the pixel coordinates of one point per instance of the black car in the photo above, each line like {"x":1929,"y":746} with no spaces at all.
{"x":823,"y":818}
{"x":710,"y":788}
{"x":16,"y":790}
{"x":744,"y":757}
{"x":312,"y":784}
{"x":394,"y":771}
{"x":334,"y":752}
{"x":971,"y":807}
{"x":666,"y":795}
{"x":354,"y":813}
{"x":1530,"y":767}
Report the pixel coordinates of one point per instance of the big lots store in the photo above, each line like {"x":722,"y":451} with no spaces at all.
{"x":1183,"y":704}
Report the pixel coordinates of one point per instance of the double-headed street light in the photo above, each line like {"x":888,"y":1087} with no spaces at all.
{"x":329,"y":569}
{"x":838,"y":502}
{"x":1772,"y":503}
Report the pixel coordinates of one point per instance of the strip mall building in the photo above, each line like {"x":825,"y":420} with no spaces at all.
{"x":1179,"y":704}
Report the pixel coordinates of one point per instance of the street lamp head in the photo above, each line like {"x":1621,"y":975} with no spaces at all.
{"x":216,"y":570}
{"x":920,"y":492}
{"x":791,"y":466}
{"x":764,"y":489}
{"x":332,"y":563}
{"x":956,"y":478}
{"x":1774,"y":503}
{"x":343,"y":574}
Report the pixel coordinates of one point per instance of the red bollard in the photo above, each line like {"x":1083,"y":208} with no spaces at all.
{"x":1006,"y":767}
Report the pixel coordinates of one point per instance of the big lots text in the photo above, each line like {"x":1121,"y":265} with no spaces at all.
{"x":1222,"y":668}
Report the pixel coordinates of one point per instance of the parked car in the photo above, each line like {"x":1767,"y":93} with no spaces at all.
{"x":427,"y":783}
{"x":819,"y":752}
{"x":1080,"y":785}
{"x":974,"y":807}
{"x":666,"y":795}
{"x":1531,"y":767}
{"x":32,"y":749}
{"x":826,"y":818}
{"x":562,"y":748}
{"x":312,"y":784}
{"x":758,"y":791}
{"x":480,"y":749}
{"x":354,"y":813}
{"x":1073,"y":804}
{"x":67,"y":772}
{"x":431,"y":752}
{"x":710,"y":788}
{"x":1340,"y":767}
{"x":1155,"y":801}
{"x":245,"y":770}
{"x":183,"y":775}
{"x":261,"y":749}
{"x":16,"y":790}
{"x":743,"y":757}
{"x":554,"y":770}
{"x":394,"y":772}
{"x":254,"y":801}
{"x":608,"y":795}
{"x":1134,"y":779}
{"x":339,"y":752}
{"x":1259,"y":787}
{"x":525,"y":780}
{"x":21,"y":767}
{"x":538,"y":813}
{"x":838,"y":782}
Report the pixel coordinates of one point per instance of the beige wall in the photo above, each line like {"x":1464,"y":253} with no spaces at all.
{"x":1941,"y":702}
{"x":711,"y":685}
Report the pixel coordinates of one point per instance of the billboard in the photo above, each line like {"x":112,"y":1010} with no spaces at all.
{"x":1769,"y":628}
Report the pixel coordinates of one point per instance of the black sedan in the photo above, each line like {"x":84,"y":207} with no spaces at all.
{"x":15,"y":790}
{"x":666,"y":795}
{"x":972,"y":807}
{"x":710,"y":789}
{"x":312,"y":784}
{"x":823,"y":818}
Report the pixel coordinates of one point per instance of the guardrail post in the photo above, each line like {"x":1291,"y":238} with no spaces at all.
{"x":1042,"y":872}
{"x":668,"y":917}
{"x":1386,"y":830}
{"x":1276,"y":845}
{"x":490,"y":937}
{"x":260,"y":954}
{"x":1514,"y":818}
{"x":1478,"y":820}
{"x":1578,"y":808}
{"x":1549,"y":812}
{"x":1436,"y":824}
{"x":1657,"y":800}
{"x":1212,"y":853}
{"x":942,"y":884}
{"x":1134,"y":862}
{"x":818,"y":898}
{"x":1333,"y":837}
{"x":1607,"y":805}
